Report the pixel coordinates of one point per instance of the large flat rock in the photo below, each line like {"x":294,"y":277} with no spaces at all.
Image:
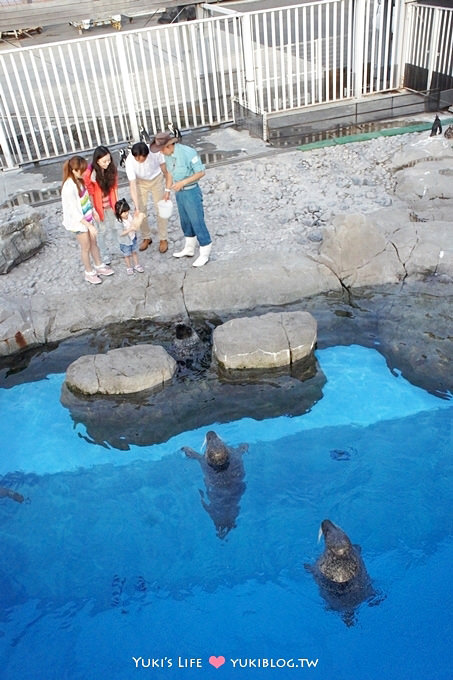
{"x":266,"y":341}
{"x":121,"y":371}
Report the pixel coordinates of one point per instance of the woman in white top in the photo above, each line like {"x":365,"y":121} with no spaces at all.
{"x":78,"y":218}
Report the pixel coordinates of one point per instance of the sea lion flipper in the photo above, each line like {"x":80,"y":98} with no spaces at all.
{"x":9,"y":493}
{"x":349,"y":617}
{"x":376,"y":598}
{"x":243,"y":448}
{"x":203,"y":502}
{"x":190,"y":453}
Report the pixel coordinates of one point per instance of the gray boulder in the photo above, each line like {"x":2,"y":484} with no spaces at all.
{"x":358,"y":252}
{"x":422,"y":149}
{"x":17,"y":332}
{"x":121,"y":371}
{"x":21,"y":236}
{"x":425,"y":248}
{"x":425,"y":182}
{"x":267,"y":341}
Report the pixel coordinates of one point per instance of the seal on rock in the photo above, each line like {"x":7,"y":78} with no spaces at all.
{"x":341,"y":573}
{"x":224,"y":474}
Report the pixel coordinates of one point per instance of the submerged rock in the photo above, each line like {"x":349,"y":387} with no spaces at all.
{"x":154,"y":416}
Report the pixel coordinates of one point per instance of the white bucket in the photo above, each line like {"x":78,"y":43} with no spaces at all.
{"x":165,"y":208}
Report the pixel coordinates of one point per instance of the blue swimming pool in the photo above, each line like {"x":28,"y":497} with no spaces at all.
{"x":111,"y":568}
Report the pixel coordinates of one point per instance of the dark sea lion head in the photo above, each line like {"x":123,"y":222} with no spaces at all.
{"x":183,"y":331}
{"x":340,"y":562}
{"x":217,"y":454}
{"x":335,"y":539}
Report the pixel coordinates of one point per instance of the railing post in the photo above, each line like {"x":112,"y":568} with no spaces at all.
{"x":433,"y":47}
{"x":4,"y":145}
{"x":359,"y":47}
{"x":127,"y":86}
{"x":249,"y":54}
{"x":403,"y":39}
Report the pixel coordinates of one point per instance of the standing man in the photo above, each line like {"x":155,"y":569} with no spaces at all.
{"x":184,"y":170}
{"x":145,"y":172}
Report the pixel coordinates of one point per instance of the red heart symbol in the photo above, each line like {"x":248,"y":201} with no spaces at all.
{"x":216,"y":661}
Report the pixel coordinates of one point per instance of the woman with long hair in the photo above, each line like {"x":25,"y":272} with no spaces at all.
{"x":101,"y":181}
{"x":78,"y":218}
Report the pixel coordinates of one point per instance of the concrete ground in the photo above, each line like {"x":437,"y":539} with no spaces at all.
{"x":66,"y":31}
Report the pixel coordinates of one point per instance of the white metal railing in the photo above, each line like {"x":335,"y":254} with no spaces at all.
{"x":66,"y":97}
{"x":320,"y":52}
{"x":431,"y":47}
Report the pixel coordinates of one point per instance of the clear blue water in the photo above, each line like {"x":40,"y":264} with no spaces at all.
{"x":112,"y":556}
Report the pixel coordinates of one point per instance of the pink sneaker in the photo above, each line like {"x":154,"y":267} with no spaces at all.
{"x":139,"y":268}
{"x":92,"y":277}
{"x":103,"y":270}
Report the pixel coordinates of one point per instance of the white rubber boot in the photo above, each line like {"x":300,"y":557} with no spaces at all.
{"x":189,"y":247}
{"x":203,"y":257}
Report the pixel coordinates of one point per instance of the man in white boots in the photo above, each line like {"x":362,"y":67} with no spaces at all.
{"x":184,"y":169}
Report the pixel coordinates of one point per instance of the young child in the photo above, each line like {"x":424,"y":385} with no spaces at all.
{"x":127,"y":235}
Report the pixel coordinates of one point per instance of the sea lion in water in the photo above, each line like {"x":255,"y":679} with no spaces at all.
{"x":224,"y":474}
{"x":187,"y":348}
{"x":341,"y":574}
{"x":8,"y":493}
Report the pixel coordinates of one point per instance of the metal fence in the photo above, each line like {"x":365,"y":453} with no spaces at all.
{"x":323,"y":52}
{"x":65,"y":97}
{"x":429,"y":53}
{"x":68,"y":97}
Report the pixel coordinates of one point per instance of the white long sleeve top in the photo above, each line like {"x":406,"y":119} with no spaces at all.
{"x":72,"y":207}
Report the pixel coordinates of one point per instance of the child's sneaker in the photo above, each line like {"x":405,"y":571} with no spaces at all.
{"x":103,"y":270}
{"x":92,"y":277}
{"x":139,"y":268}
{"x":129,"y":271}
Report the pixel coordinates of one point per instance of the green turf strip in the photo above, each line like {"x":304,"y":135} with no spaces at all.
{"x":364,"y":136}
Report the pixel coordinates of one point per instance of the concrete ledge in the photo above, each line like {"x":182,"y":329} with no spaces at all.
{"x":356,"y":251}
{"x":336,"y":115}
{"x":255,"y":282}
